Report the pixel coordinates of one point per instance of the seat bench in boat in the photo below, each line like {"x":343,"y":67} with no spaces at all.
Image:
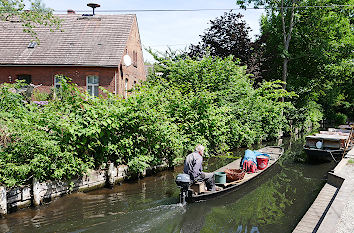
{"x":198,"y":187}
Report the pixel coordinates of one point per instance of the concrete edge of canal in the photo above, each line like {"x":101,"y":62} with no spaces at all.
{"x":325,"y":213}
{"x":38,"y":193}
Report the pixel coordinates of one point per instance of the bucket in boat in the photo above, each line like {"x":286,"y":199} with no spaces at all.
{"x":262,"y":162}
{"x":220,"y":177}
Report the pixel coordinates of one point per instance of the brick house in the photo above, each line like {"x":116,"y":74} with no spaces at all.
{"x":88,"y":49}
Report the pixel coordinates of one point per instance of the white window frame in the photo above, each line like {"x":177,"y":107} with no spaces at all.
{"x":93,"y":85}
{"x":57,"y":85}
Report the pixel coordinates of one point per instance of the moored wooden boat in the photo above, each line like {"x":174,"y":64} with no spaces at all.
{"x":327,"y":146}
{"x":198,"y":194}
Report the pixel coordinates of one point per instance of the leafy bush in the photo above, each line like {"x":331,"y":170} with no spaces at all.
{"x":341,"y":118}
{"x":74,"y":133}
{"x":211,"y":101}
{"x":244,"y":114}
{"x":40,"y":96}
{"x":307,"y":116}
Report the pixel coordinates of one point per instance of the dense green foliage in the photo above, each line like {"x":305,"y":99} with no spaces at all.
{"x":320,"y":55}
{"x":210,"y":101}
{"x":321,"y":58}
{"x":72,"y":133}
{"x":227,"y":35}
{"x":244,"y":114}
{"x":230,"y":35}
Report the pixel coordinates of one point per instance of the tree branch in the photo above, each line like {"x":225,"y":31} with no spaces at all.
{"x":283,"y":21}
{"x":291,"y":25}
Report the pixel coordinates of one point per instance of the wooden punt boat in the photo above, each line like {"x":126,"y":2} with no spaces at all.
{"x":329,"y":145}
{"x":197,"y":194}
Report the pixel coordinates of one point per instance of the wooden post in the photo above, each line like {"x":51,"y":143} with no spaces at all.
{"x":280,"y":141}
{"x":111,"y":174}
{"x":122,"y":171}
{"x":3,"y":201}
{"x":36,"y":193}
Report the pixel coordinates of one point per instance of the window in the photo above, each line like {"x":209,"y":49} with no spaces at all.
{"x":92,"y":82}
{"x":126,"y":88}
{"x":121,"y":70}
{"x":57,"y":81}
{"x":26,"y":77}
{"x":32,"y":44}
{"x":135,"y":59}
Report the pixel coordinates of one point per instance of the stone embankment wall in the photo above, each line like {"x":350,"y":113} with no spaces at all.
{"x":40,"y":192}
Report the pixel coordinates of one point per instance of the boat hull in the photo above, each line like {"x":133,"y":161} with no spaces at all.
{"x":249,"y":184}
{"x":276,"y":152}
{"x":321,"y":155}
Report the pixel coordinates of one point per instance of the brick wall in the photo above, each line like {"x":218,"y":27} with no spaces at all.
{"x":134,"y":73}
{"x":45,"y":75}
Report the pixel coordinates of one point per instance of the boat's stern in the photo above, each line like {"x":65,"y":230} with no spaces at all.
{"x":183,"y":181}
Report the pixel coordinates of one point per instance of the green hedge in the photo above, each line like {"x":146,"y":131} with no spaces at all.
{"x":211,"y":101}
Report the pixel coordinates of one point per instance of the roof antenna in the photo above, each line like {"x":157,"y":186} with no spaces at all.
{"x":93,"y":6}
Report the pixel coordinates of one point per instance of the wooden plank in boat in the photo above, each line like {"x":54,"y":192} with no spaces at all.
{"x":233,"y":165}
{"x":339,"y":130}
{"x":335,"y":133}
{"x":347,"y":127}
{"x":247,"y":177}
{"x":274,"y":153}
{"x":327,"y":137}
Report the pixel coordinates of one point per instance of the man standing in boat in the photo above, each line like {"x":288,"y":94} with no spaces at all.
{"x":193,"y":167}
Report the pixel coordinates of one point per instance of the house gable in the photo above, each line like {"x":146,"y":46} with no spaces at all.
{"x":135,"y":73}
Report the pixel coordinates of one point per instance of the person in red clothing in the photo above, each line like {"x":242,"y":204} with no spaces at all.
{"x":193,"y":167}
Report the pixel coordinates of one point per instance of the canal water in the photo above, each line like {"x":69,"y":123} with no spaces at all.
{"x":274,"y":202}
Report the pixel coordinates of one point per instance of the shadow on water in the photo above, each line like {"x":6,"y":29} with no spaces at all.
{"x":274,"y":202}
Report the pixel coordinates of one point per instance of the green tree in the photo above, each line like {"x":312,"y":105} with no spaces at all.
{"x":229,"y":35}
{"x":320,"y":55}
{"x":285,"y":10}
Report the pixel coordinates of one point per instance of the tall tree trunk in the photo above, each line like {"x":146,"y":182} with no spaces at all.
{"x":285,"y":71}
{"x":286,"y":39}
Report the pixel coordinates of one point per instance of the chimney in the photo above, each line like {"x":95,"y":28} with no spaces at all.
{"x":71,"y":12}
{"x":93,"y":6}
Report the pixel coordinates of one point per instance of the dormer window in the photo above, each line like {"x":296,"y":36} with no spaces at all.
{"x":32,"y":44}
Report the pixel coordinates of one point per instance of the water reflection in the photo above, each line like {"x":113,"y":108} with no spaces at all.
{"x":263,"y":206}
{"x":273,"y":202}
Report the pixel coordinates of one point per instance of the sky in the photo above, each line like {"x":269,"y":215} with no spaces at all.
{"x":160,"y":30}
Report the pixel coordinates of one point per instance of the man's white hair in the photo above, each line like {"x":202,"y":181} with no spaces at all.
{"x":199,"y":148}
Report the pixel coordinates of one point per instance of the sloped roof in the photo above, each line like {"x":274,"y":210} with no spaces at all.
{"x":84,"y":41}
